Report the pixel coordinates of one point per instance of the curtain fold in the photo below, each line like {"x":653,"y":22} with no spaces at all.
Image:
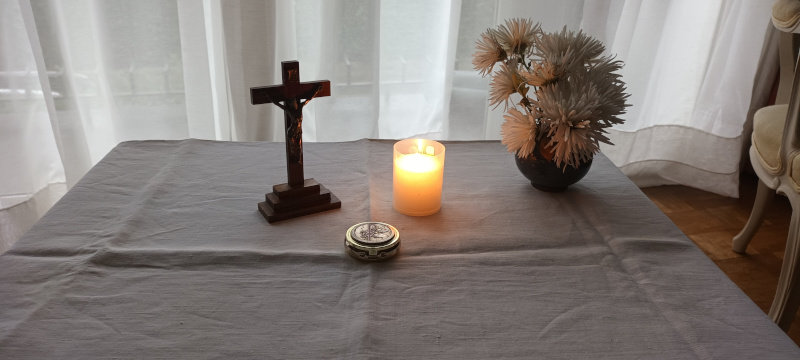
{"x":30,"y":158}
{"x":353,"y":67}
{"x":78,"y":77}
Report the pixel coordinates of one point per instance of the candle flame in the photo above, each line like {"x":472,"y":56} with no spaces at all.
{"x":417,"y":163}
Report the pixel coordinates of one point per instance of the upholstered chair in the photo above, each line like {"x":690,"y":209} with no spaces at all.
{"x":774,"y":155}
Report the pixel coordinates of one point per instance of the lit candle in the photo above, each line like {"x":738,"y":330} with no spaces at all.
{"x":418,"y":172}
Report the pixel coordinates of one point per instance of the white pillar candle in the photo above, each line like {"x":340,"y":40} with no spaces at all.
{"x":418,"y":173}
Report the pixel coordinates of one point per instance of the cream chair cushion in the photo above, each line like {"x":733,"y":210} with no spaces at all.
{"x":796,"y":172}
{"x":767,"y":134}
{"x":786,"y":15}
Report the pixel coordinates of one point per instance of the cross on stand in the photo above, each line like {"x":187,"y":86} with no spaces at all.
{"x":299,"y":196}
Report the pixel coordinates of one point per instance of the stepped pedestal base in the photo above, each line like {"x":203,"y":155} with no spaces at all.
{"x":286,"y":202}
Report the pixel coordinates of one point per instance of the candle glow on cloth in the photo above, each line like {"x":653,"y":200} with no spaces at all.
{"x":418,"y":173}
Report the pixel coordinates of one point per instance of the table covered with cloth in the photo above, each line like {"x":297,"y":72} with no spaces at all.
{"x":160,"y":252}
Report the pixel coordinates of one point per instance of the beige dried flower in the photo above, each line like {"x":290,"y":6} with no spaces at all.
{"x":517,"y":36}
{"x":519,"y":132}
{"x":611,"y":88}
{"x":542,"y":74}
{"x":571,"y":114}
{"x":505,"y":82}
{"x":487,"y":52}
{"x":567,"y":50}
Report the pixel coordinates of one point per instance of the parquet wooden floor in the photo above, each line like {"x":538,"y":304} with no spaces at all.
{"x":711,"y":221}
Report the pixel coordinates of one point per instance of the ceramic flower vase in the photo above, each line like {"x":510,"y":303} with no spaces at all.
{"x":543,"y":173}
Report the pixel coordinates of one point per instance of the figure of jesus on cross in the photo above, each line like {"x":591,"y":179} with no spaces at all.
{"x":294,"y":128}
{"x":299,"y":196}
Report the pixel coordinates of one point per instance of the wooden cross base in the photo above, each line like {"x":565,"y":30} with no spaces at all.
{"x":286,"y":202}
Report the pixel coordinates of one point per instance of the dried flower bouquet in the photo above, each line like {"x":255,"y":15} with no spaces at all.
{"x":569,"y":93}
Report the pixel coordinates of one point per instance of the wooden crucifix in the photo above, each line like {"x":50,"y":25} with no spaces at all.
{"x":299,"y":196}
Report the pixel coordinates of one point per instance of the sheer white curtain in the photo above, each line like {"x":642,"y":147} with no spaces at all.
{"x":691,"y":88}
{"x":77,"y":77}
{"x":31,"y":173}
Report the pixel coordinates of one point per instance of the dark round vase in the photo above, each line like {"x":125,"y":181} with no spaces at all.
{"x":545,"y":175}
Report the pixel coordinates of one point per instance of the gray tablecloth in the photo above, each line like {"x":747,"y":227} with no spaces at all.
{"x":159,"y":252}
